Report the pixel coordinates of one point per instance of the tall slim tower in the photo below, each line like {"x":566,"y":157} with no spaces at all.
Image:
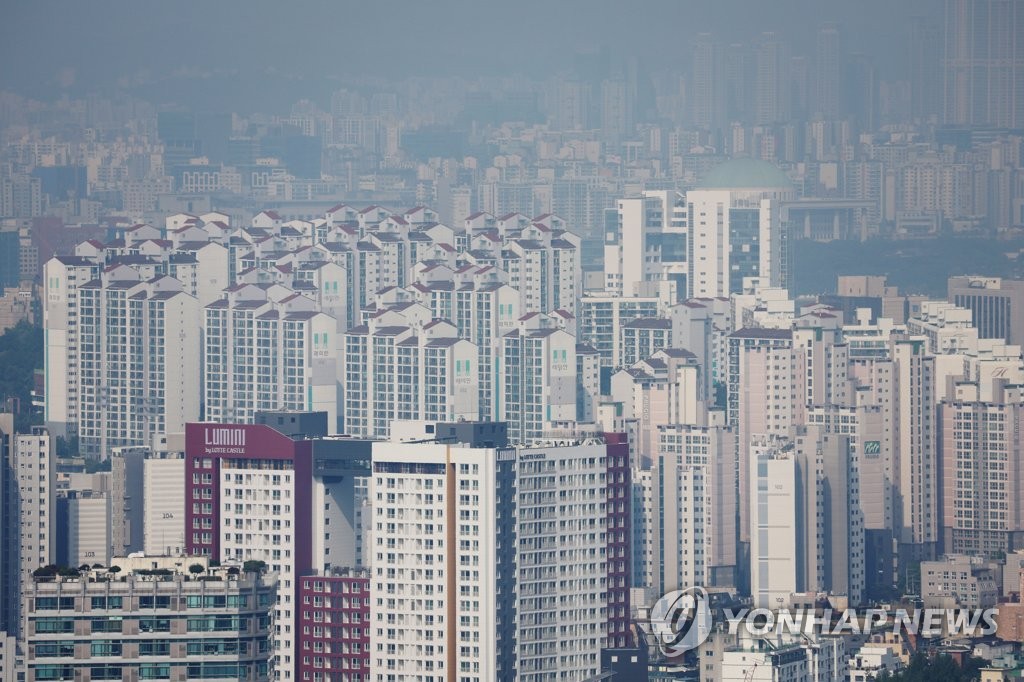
{"x":984,"y":63}
{"x":707,"y":102}
{"x":827,"y":74}
{"x":925,"y":63}
{"x":771,"y":86}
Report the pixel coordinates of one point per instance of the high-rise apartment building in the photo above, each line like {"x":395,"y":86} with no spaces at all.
{"x":443,"y":609}
{"x":537,"y":378}
{"x":925,"y":62}
{"x":10,"y":531}
{"x":126,"y":509}
{"x":869,"y":429}
{"x":648,"y":244}
{"x":602,"y":316}
{"x":702,"y":326}
{"x":280,"y":493}
{"x":543,"y":266}
{"x":248,"y":496}
{"x":492,"y":563}
{"x":163,"y":506}
{"x":807,"y":531}
{"x":642,"y":338}
{"x":29,"y":533}
{"x":736,"y":229}
{"x":707,"y":98}
{"x":661,"y":389}
{"x":832,"y":509}
{"x":619,"y":542}
{"x":776,"y":526}
{"x":828,"y":69}
{"x":981,"y":463}
{"x":403,"y":365}
{"x":983,"y":63}
{"x":772,"y":85}
{"x":85,"y":520}
{"x":917,"y":514}
{"x":263,"y":354}
{"x":761,"y":400}
{"x":694,"y":508}
{"x":483,"y":309}
{"x":63,"y":276}
{"x":138,"y":370}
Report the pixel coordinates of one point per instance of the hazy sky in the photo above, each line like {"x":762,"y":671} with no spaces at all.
{"x":48,"y":46}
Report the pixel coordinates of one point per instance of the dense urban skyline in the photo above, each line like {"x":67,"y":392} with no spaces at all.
{"x":344,"y":40}
{"x":466,"y":342}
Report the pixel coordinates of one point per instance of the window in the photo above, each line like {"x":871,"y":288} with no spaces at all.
{"x":155,"y":602}
{"x":55,"y":649}
{"x":106,"y":647}
{"x":154,"y":671}
{"x":64,"y":625}
{"x":153,"y":625}
{"x":106,"y":602}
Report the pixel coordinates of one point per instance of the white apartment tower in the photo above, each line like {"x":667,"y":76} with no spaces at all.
{"x":443,"y":557}
{"x":483,"y":309}
{"x":917,"y":514}
{"x":694,"y":499}
{"x":662,"y":389}
{"x":401,"y":365}
{"x":762,"y":399}
{"x":34,"y":466}
{"x":736,"y":229}
{"x":263,"y":354}
{"x":776,"y":523}
{"x":807,"y":529}
{"x":601,"y":317}
{"x":63,"y":276}
{"x":536,"y":378}
{"x":649,"y":243}
{"x":482,"y":569}
{"x":89,"y":535}
{"x":138,"y":369}
{"x":543,"y":266}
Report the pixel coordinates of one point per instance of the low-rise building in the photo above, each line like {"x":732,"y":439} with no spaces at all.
{"x":958,"y":580}
{"x":872,"y":661}
{"x":169,"y":618}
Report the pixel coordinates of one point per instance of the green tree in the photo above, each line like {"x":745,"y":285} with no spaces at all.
{"x":254,"y":566}
{"x":66,"y":447}
{"x":938,"y":669}
{"x":21,"y":353}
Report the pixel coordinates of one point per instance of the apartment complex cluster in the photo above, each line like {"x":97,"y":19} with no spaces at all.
{"x":454,"y":453}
